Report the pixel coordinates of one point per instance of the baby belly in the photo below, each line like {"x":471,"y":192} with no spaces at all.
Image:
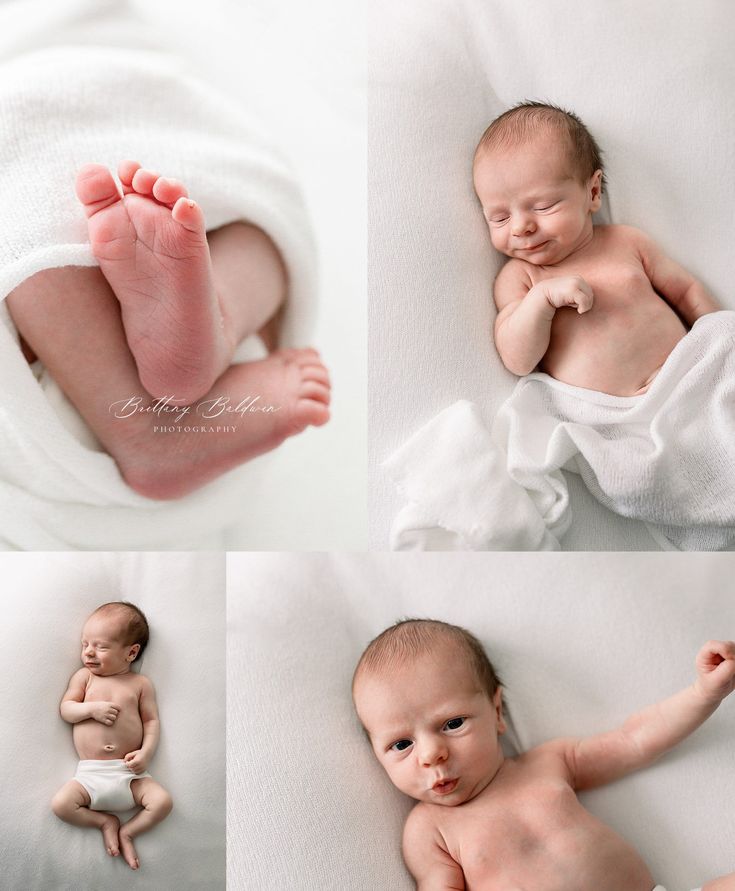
{"x":617,"y":351}
{"x":587,"y":856}
{"x":95,"y":741}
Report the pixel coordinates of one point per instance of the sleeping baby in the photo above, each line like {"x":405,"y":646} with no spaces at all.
{"x":431,"y":704}
{"x":626,"y":365}
{"x":116,"y":729}
{"x":599,"y":307}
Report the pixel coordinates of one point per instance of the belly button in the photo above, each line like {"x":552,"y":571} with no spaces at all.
{"x":109,"y":748}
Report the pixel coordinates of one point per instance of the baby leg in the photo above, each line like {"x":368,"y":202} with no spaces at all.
{"x":71,"y":804}
{"x":187,"y":299}
{"x":156,"y":805}
{"x":71,"y":319}
{"x":724,"y":883}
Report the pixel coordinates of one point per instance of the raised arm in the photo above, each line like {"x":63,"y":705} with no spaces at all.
{"x":679,"y":288}
{"x":526,"y":311}
{"x":139,"y":759}
{"x":426,"y":857}
{"x":596,"y":760}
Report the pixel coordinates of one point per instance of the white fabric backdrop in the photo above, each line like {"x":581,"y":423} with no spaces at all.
{"x":580,"y":642}
{"x":655,"y":83}
{"x":46,"y":600}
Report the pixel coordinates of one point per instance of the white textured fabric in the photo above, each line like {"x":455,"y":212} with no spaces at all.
{"x":440,"y":70}
{"x":81,"y":82}
{"x":46,"y":600}
{"x":665,"y":457}
{"x":581,"y":641}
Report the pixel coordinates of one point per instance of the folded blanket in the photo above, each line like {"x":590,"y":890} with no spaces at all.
{"x":665,"y":457}
{"x":87,"y":86}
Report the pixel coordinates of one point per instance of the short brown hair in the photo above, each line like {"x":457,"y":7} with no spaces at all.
{"x":523,"y":120}
{"x":411,"y":638}
{"x":132,"y":620}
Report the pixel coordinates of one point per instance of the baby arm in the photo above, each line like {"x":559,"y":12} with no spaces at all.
{"x":526,"y":311}
{"x":139,"y":759}
{"x":646,"y":735}
{"x":678,"y":287}
{"x":74,"y":709}
{"x":426,"y":857}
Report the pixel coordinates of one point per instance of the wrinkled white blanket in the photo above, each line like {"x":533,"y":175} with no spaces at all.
{"x":666,"y":457}
{"x":82,"y":83}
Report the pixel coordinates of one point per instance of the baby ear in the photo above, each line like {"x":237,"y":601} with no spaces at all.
{"x":133,"y":652}
{"x":595,"y":190}
{"x":498,"y":705}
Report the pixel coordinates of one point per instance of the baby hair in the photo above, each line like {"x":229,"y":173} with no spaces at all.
{"x":132,"y":620}
{"x":411,"y":638}
{"x":522,"y":122}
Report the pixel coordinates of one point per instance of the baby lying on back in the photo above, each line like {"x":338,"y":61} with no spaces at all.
{"x":431,"y":704}
{"x":599,"y":307}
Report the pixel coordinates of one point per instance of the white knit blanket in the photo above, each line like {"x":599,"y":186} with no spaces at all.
{"x":666,"y":457}
{"x":79,"y":84}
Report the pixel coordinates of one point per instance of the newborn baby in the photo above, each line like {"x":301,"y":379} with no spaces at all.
{"x":599,"y":307}
{"x":116,"y":731}
{"x":431,"y":704}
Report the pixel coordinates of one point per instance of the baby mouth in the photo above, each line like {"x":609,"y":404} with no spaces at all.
{"x":444,"y":787}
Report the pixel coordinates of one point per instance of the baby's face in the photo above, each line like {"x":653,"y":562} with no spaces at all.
{"x":103,"y":650}
{"x":431,"y":727}
{"x":535,"y":208}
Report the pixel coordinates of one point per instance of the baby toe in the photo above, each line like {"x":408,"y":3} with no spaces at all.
{"x":168,"y":191}
{"x":311,"y":413}
{"x":143,"y":181}
{"x":314,"y":390}
{"x":316,"y":373}
{"x":95,"y":188}
{"x":189,"y":214}
{"x":126,"y":170}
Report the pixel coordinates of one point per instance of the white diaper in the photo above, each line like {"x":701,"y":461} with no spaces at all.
{"x":661,"y":888}
{"x":108,"y":784}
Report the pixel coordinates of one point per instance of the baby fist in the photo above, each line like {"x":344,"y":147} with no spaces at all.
{"x":105,"y":712}
{"x":716,"y":669}
{"x":569,"y":290}
{"x":135,"y":761}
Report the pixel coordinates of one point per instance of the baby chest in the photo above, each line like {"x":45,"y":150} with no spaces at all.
{"x":123,"y":695}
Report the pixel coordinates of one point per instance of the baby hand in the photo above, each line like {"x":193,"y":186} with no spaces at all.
{"x":569,"y":290}
{"x":105,"y":712}
{"x":136,"y":761}
{"x":716,"y":669}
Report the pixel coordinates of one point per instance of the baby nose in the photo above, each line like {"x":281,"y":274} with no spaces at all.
{"x":432,"y":751}
{"x":522,"y":224}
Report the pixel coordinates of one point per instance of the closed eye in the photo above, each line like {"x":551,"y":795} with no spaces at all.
{"x":454,"y":724}
{"x":547,"y":206}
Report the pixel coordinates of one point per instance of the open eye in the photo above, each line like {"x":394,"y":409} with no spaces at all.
{"x":453,"y":724}
{"x":401,"y":745}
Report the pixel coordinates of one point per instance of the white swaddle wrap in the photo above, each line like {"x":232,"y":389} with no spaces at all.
{"x":665,"y":457}
{"x":86,"y":86}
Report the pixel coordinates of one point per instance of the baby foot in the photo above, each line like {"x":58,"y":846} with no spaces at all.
{"x":128,"y":850}
{"x":152,"y":248}
{"x":110,"y":829}
{"x":262,"y":402}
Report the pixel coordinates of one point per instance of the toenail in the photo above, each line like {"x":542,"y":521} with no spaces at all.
{"x":191,"y":203}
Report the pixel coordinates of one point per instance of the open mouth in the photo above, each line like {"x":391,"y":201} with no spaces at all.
{"x":444,"y":787}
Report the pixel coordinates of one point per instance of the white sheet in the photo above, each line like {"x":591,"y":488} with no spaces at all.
{"x":665,"y":457}
{"x":440,"y":71}
{"x":580,"y":641}
{"x":46,"y":599}
{"x":88,"y":80}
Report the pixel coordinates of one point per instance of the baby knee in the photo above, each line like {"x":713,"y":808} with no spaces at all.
{"x":59,"y":804}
